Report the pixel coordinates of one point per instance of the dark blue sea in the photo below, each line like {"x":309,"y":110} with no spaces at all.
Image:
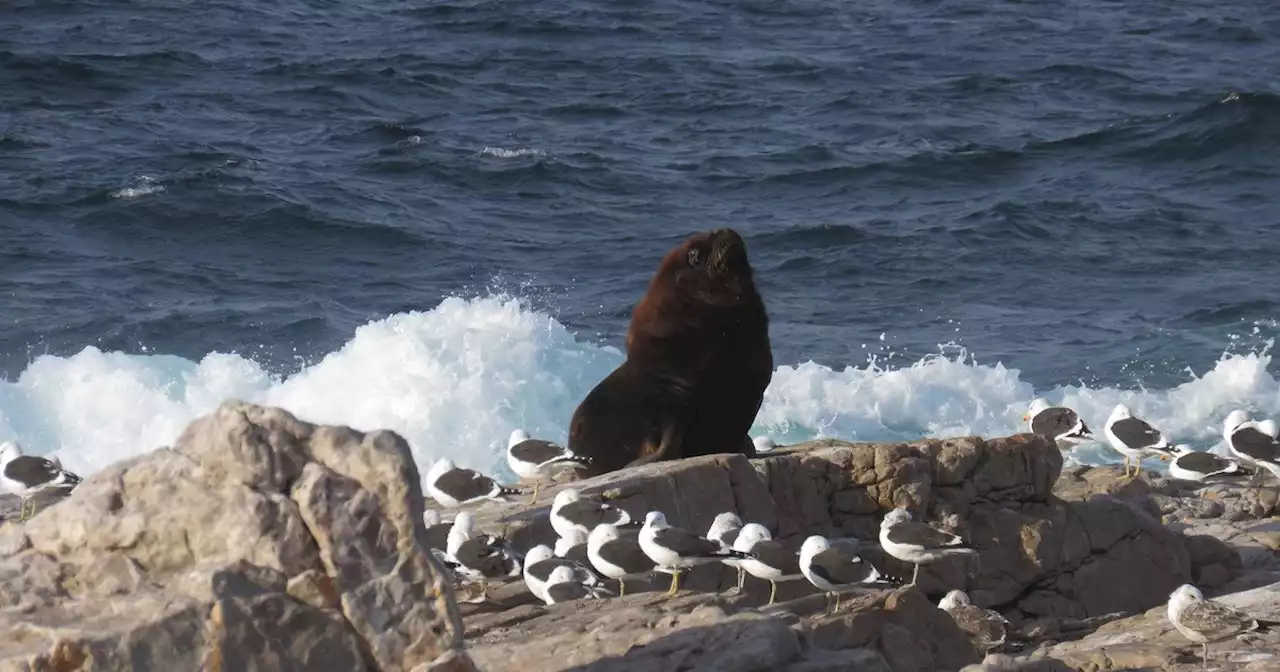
{"x":435,"y":216}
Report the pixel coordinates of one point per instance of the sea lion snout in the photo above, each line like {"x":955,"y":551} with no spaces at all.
{"x":727,"y":237}
{"x":727,"y":248}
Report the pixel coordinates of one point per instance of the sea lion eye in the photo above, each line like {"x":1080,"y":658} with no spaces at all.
{"x":695,"y":256}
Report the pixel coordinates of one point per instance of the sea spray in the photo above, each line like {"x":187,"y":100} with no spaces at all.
{"x":455,"y":380}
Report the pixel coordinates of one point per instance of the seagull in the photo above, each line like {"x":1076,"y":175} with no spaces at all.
{"x":1204,"y":621}
{"x":1133,"y":437}
{"x":540,"y":562}
{"x":724,"y":529}
{"x":563,"y":585}
{"x":918,"y":543}
{"x":617,"y":555}
{"x":675,"y":550}
{"x":447,"y":562}
{"x":534,"y":458}
{"x":986,"y":627}
{"x":1250,"y":444}
{"x":479,"y":557}
{"x":1059,"y":424}
{"x":829,"y":568}
{"x":573,"y":546}
{"x":763,"y":444}
{"x":569,"y":510}
{"x":27,"y":476}
{"x":452,"y":486}
{"x":437,"y":530}
{"x":1193,"y":465}
{"x":769,"y":559}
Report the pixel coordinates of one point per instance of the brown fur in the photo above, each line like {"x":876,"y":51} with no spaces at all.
{"x":698,"y":362}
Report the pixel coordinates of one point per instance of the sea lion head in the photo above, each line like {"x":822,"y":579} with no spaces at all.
{"x":711,"y":266}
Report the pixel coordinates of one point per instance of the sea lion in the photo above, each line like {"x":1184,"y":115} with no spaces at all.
{"x":698,"y":362}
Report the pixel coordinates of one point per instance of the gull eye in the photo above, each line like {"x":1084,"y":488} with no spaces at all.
{"x":695,"y":257}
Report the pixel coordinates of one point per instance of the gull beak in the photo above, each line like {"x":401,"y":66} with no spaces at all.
{"x":1025,"y":417}
{"x":1164,"y":458}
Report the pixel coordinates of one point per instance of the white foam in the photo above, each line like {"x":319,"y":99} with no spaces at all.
{"x":146,"y":185}
{"x":500,"y":153}
{"x":456,"y":380}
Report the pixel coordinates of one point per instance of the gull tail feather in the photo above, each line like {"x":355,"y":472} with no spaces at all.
{"x":504,"y":491}
{"x":583,"y":460}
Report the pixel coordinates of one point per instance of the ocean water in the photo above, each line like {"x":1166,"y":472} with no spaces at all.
{"x":435,"y":216}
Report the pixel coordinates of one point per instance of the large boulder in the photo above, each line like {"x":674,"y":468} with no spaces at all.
{"x":257,"y":542}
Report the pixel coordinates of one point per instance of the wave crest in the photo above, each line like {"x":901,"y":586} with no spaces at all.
{"x":455,"y":380}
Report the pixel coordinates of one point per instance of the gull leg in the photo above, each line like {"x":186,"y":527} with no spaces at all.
{"x":837,"y":604}
{"x":1204,"y":648}
{"x":914,"y":575}
{"x":773,"y":591}
{"x":536,"y":484}
{"x":1126,"y":466}
{"x":675,"y":584}
{"x":622,"y":588}
{"x":742,"y":578}
{"x":826,"y":603}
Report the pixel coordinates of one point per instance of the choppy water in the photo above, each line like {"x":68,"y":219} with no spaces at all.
{"x":435,"y":216}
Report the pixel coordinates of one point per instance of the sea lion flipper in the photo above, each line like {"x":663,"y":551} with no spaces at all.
{"x":664,"y":448}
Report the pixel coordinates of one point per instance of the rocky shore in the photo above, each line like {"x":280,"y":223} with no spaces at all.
{"x":261,"y":542}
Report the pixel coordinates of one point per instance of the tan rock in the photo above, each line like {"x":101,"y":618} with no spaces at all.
{"x":1081,"y":483}
{"x":1149,"y":642}
{"x":898,"y":631}
{"x":258,"y":542}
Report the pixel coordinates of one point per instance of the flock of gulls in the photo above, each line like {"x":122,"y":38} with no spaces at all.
{"x":597,"y":541}
{"x":1252,"y":444}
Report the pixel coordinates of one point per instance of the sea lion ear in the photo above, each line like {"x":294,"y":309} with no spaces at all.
{"x":694,"y":257}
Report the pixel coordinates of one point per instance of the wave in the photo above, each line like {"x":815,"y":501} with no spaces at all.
{"x":455,"y":380}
